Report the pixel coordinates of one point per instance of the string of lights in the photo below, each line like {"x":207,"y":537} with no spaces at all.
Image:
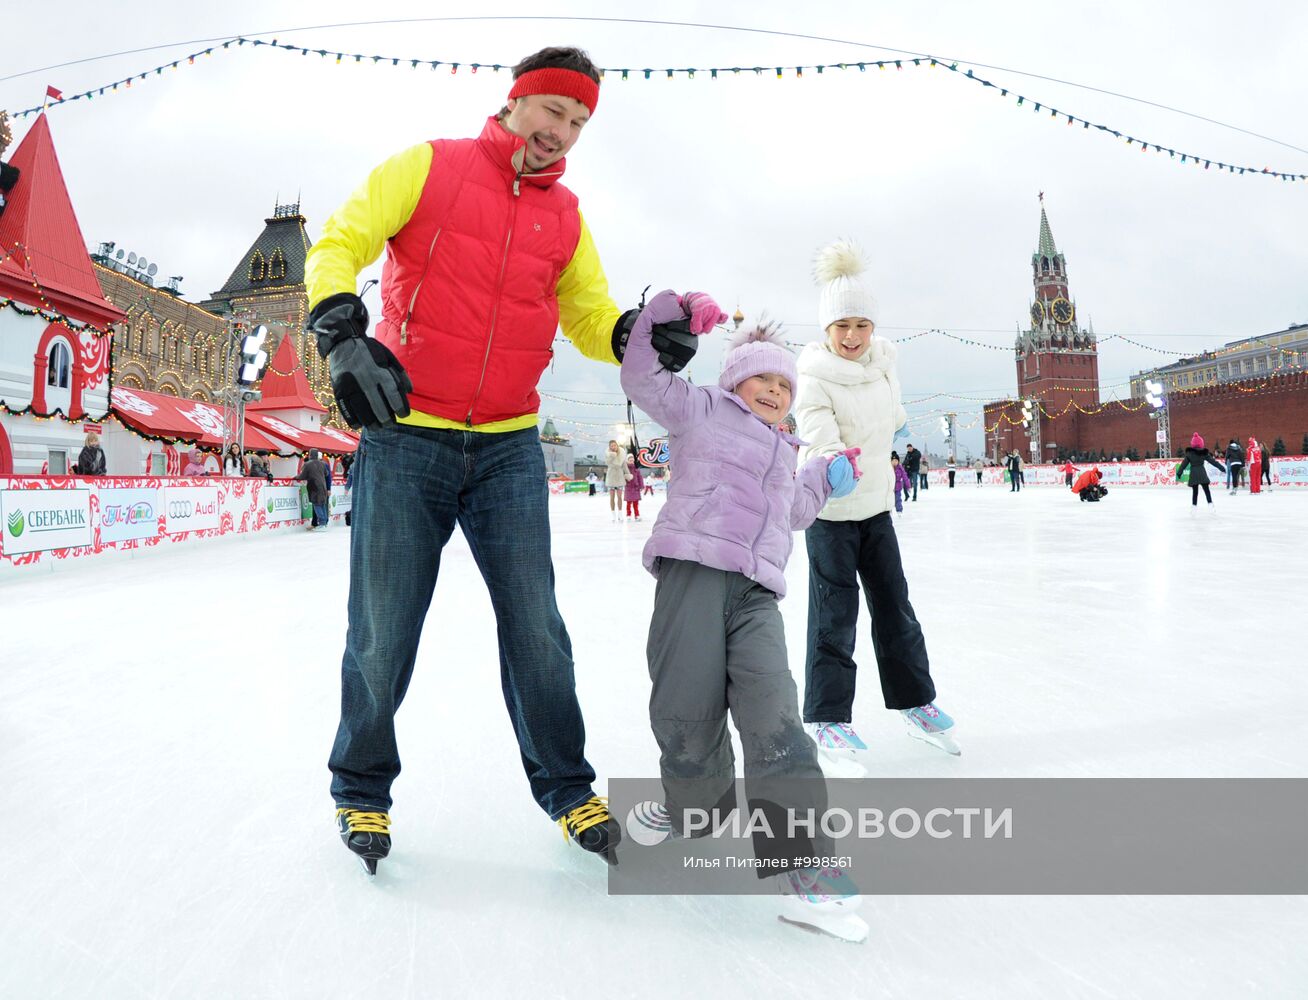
{"x":1268,"y":386}
{"x":795,"y":71}
{"x":47,"y":310}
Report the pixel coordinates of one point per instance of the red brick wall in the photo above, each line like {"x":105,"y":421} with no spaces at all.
{"x":1003,"y":436}
{"x":1062,"y":379}
{"x":1275,"y":408}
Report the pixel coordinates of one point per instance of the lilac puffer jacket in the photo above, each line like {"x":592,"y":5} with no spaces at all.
{"x":735,"y":500}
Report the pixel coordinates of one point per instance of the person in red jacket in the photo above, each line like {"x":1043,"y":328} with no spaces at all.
{"x":1253,"y":452}
{"x":1087,"y":485}
{"x":1069,"y":470}
{"x":487,"y":255}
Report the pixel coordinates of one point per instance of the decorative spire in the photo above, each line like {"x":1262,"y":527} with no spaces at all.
{"x":1047,"y":248}
{"x":550,"y":434}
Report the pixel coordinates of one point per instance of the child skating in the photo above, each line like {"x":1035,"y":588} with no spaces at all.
{"x":716,"y":644}
{"x":901,"y":483}
{"x":1195,"y":457}
{"x":635,"y":483}
{"x":849,"y":398}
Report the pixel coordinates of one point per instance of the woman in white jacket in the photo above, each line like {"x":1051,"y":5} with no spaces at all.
{"x":848,"y":397}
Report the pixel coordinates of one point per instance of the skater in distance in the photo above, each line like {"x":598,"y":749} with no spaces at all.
{"x":1195,"y":458}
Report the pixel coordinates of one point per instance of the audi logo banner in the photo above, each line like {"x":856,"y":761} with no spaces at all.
{"x":190,"y":508}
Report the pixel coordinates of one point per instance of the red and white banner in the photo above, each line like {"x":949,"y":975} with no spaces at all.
{"x":96,"y":351}
{"x":66,"y":517}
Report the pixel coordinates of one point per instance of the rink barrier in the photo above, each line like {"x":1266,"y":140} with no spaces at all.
{"x":1287,"y":470}
{"x":50,"y":519}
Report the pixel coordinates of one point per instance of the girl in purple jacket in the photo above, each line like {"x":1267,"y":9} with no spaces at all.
{"x":718,"y":550}
{"x":901,"y":482}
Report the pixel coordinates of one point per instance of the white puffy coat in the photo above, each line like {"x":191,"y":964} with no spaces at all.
{"x":852,"y":404}
{"x":615,"y":469}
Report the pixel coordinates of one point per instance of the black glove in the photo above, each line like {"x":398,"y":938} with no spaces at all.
{"x":369,"y":382}
{"x":674,"y":341}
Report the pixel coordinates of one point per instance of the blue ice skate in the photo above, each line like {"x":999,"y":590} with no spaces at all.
{"x":931,"y":725}
{"x":822,"y":899}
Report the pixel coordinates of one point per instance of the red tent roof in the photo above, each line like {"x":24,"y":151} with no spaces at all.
{"x":41,"y":242}
{"x":327,"y":440}
{"x":285,"y":386}
{"x":172,"y":419}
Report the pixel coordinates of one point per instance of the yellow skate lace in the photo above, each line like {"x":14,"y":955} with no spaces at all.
{"x":590,"y":813}
{"x":365,"y":822}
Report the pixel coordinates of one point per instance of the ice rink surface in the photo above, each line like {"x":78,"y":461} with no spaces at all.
{"x":165,"y":722}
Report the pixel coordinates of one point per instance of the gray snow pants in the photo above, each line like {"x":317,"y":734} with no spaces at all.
{"x":716,"y":643}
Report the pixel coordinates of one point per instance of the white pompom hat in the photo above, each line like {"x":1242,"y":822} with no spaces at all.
{"x":837,"y":269}
{"x":757,"y":351}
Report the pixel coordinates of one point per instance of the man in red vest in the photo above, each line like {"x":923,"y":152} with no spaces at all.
{"x":487,"y":255}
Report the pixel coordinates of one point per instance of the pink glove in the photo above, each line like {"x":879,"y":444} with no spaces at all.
{"x":704,"y":313}
{"x":852,"y":454}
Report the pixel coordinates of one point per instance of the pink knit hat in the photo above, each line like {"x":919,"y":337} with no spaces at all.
{"x":755,"y":352}
{"x":1196,"y":441}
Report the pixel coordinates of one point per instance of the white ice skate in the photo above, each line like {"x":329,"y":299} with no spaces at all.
{"x":931,"y":725}
{"x":824,"y":900}
{"x":838,"y":746}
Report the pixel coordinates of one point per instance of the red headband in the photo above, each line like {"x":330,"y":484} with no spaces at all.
{"x":556,"y":80}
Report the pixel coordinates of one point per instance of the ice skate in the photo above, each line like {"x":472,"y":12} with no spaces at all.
{"x":367,"y":834}
{"x":823,"y":900}
{"x":931,"y":725}
{"x":591,"y":827}
{"x":838,"y":746}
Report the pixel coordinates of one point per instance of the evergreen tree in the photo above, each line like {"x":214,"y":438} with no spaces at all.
{"x":1278,"y":447}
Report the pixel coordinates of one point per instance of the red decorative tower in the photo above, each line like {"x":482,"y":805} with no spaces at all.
{"x":1057,"y":361}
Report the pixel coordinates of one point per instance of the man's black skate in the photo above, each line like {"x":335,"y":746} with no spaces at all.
{"x":593,"y":829}
{"x":367,"y":834}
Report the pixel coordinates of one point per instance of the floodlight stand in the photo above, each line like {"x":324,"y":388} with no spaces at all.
{"x":1165,"y":426}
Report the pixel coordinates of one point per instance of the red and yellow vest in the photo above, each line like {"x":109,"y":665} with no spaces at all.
{"x":483,"y":262}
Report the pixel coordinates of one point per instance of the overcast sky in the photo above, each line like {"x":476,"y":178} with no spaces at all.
{"x":731,"y":185}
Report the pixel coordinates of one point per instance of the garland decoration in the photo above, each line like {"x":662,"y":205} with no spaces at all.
{"x":1181,"y":157}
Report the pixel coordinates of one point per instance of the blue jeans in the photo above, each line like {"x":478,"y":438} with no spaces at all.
{"x":320,"y":515}
{"x":411,"y":486}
